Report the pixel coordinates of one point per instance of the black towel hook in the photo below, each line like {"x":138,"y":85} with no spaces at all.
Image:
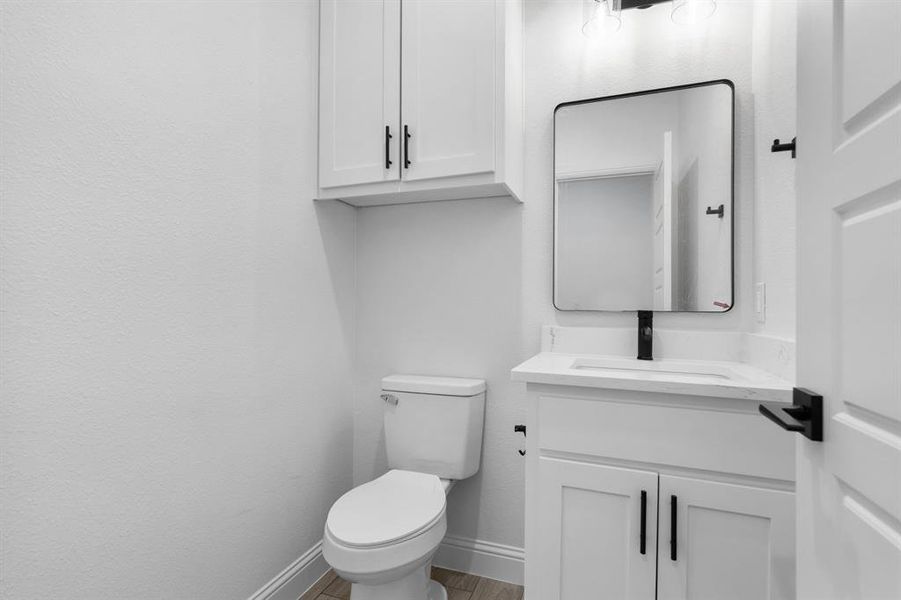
{"x":718,"y":211}
{"x":790,"y":147}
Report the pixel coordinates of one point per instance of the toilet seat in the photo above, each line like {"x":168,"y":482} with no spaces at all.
{"x":396,"y":507}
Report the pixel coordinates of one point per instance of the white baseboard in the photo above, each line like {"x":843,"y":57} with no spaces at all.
{"x":485,"y":559}
{"x":297,"y":577}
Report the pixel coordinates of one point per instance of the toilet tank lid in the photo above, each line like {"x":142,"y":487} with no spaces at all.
{"x":442,"y":386}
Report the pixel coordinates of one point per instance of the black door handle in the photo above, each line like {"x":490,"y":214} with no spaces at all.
{"x":804,"y":415}
{"x":644,"y":522}
{"x":672,"y":539}
{"x":406,"y":147}
{"x":388,"y":137}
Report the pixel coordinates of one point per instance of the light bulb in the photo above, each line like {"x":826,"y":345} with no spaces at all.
{"x":689,"y":12}
{"x":603,"y":18}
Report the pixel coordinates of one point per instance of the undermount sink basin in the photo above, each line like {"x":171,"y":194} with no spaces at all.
{"x":648,"y":369}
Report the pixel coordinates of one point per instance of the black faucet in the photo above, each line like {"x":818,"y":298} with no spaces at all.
{"x":645,"y":335}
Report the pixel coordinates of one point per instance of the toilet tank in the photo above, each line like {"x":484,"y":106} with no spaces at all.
{"x":434,"y":424}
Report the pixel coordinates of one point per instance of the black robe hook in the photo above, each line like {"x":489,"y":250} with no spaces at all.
{"x":790,"y":147}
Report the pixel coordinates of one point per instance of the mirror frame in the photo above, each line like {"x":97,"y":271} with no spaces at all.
{"x":674,"y":88}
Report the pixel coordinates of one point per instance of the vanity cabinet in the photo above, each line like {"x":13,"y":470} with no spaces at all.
{"x":590,"y":531}
{"x":419,"y":100}
{"x":724,"y":540}
{"x":639,"y":495}
{"x":600,"y":526}
{"x":359,"y":95}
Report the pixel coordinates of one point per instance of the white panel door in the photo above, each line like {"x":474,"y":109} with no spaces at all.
{"x":359,"y":92}
{"x":721,"y":540}
{"x":449,"y":70}
{"x":849,"y":297}
{"x":589,"y":532}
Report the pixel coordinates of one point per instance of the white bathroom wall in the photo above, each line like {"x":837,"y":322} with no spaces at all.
{"x":775,"y":97}
{"x":176,"y":312}
{"x":462,"y":288}
{"x":438,"y":293}
{"x":177,"y":316}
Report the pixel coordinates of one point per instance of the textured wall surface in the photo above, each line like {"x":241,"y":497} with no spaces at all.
{"x":176,"y":312}
{"x":439,"y":294}
{"x":178,"y":319}
{"x":775,"y":217}
{"x":463,"y":288}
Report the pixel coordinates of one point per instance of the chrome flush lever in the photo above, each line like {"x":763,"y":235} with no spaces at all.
{"x":390,"y":399}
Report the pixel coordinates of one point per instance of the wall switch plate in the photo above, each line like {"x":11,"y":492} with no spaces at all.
{"x":760,"y":302}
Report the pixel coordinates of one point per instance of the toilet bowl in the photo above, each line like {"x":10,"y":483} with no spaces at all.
{"x":381,"y":536}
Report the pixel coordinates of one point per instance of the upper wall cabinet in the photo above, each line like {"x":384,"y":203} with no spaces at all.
{"x":359,"y":91}
{"x":419,"y":100}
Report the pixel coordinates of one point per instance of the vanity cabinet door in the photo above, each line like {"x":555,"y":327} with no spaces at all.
{"x":359,"y":92}
{"x":589,"y":530}
{"x":449,"y":70}
{"x":720,"y":540}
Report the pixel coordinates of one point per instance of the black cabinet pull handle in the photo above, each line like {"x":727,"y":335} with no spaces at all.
{"x":407,"y":147}
{"x":672,"y":540}
{"x":388,"y":137}
{"x":644,"y":522}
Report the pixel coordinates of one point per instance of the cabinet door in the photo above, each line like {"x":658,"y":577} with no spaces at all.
{"x":449,"y":69}
{"x":730,"y":541}
{"x":590,"y":529}
{"x":359,"y":91}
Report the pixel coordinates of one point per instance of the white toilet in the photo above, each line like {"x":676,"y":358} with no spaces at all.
{"x":381,"y":535}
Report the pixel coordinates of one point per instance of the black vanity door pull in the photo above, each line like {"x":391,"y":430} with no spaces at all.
{"x":406,"y":147}
{"x":672,"y":540}
{"x":388,"y":137}
{"x":644,"y":522}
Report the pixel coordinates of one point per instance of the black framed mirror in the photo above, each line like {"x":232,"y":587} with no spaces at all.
{"x":643,"y":201}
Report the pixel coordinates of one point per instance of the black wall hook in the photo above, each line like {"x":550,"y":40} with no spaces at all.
{"x":790,"y":147}
{"x":718,"y":211}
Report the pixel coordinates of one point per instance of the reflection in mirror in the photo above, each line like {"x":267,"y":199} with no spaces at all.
{"x":643,"y":201}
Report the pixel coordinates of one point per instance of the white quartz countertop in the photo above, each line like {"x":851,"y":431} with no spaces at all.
{"x":719,"y":379}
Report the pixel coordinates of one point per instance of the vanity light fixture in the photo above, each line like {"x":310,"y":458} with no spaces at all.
{"x":604,"y":17}
{"x":689,"y":12}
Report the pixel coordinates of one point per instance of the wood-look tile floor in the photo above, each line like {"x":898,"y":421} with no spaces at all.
{"x":460,"y":586}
